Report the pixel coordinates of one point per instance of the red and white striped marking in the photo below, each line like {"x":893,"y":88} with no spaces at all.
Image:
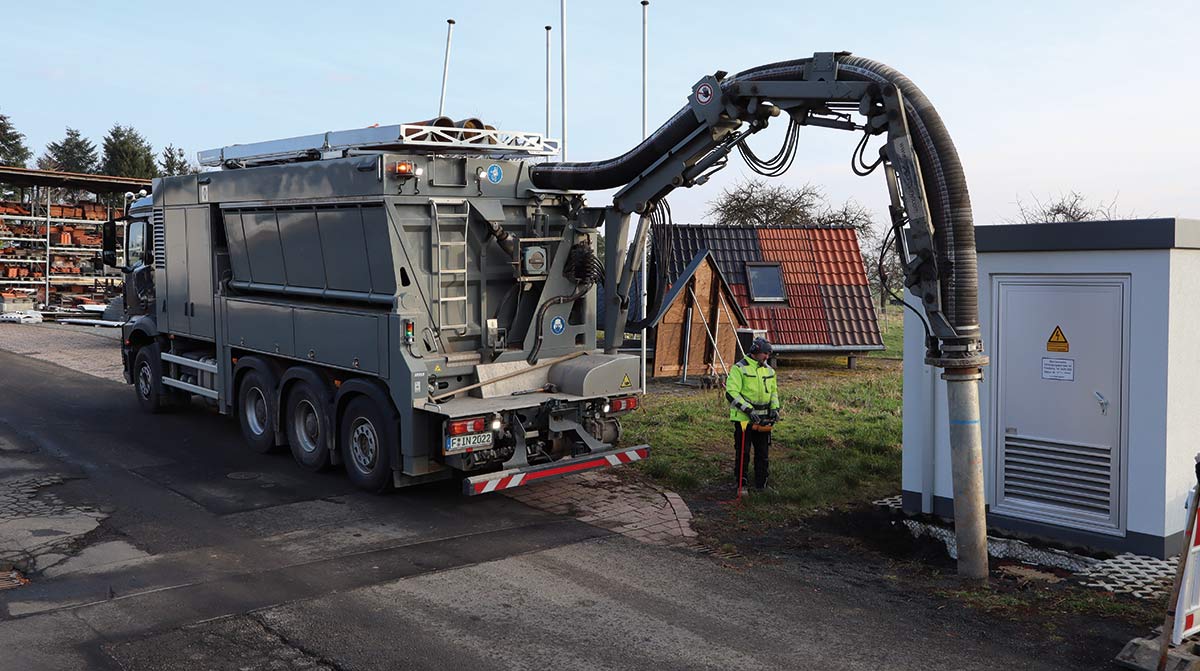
{"x":496,"y":482}
{"x":627,"y":457}
{"x":1187,"y":608}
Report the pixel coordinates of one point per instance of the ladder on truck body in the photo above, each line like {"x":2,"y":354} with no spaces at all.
{"x":447,"y":274}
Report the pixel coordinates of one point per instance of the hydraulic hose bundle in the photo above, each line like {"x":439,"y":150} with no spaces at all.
{"x":657,"y":280}
{"x":945,"y":185}
{"x":582,"y":267}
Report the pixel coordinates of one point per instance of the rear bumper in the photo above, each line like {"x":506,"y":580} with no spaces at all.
{"x":494,"y":482}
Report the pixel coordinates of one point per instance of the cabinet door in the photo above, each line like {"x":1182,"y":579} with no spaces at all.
{"x":1060,"y":360}
{"x":199,"y":271}
{"x":173,"y":303}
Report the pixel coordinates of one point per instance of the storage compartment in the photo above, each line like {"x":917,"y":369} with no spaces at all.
{"x":339,"y":338}
{"x":260,"y":326}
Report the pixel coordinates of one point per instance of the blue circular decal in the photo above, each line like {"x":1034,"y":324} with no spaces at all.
{"x":495,"y":173}
{"x":558,"y":325}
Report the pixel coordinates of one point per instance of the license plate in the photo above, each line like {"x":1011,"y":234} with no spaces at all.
{"x":469,"y":441}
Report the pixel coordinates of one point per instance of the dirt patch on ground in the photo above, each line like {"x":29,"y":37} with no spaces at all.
{"x":871,"y":549}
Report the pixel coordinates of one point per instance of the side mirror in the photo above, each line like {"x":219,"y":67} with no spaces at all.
{"x":108,"y":247}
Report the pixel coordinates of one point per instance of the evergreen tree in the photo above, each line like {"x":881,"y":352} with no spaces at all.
{"x":174,"y":162}
{"x":127,"y":154}
{"x":13,"y":151}
{"x":74,"y":153}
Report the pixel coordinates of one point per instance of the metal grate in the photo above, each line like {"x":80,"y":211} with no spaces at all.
{"x":1074,"y":480}
{"x":160,"y":238}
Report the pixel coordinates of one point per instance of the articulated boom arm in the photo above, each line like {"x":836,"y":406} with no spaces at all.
{"x":930,"y":209}
{"x":722,"y":112}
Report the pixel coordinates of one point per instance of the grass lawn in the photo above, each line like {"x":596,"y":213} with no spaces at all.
{"x":891,"y":328}
{"x":838,"y":440}
{"x":836,"y":449}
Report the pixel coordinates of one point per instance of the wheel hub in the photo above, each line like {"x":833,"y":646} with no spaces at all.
{"x":145,"y":380}
{"x":364,"y":444}
{"x":307,"y":427}
{"x":254,"y":407}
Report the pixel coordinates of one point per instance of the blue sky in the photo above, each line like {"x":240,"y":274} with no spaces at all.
{"x":1040,"y":97}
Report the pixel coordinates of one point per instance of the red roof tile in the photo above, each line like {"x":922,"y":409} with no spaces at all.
{"x":837,"y":256}
{"x":829,"y":300}
{"x":851,"y":311}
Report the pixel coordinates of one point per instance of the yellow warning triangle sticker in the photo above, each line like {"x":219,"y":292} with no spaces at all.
{"x":626,"y":382}
{"x":1058,"y":341}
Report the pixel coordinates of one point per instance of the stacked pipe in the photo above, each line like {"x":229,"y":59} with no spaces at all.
{"x":469,"y":129}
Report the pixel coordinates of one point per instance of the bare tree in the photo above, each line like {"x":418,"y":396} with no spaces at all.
{"x":758,"y":203}
{"x":1066,"y":207}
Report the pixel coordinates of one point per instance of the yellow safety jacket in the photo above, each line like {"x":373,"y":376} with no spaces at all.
{"x":750,"y":386}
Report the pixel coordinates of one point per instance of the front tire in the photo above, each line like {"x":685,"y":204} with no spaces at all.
{"x":366,"y":437}
{"x":147,"y":379}
{"x":254,"y":412}
{"x":308,"y":426}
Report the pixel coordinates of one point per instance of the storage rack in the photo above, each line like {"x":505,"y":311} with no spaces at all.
{"x":45,"y":260}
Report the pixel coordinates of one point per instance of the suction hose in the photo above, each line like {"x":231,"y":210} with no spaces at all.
{"x":945,"y":184}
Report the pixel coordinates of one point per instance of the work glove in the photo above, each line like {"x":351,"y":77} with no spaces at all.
{"x":755,"y":417}
{"x":773,"y":416}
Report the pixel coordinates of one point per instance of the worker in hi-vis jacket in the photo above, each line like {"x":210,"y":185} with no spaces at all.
{"x":753,"y":408}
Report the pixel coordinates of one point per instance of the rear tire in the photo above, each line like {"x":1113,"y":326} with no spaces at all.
{"x":366,"y":435}
{"x":147,"y":379}
{"x":307,"y":426}
{"x":254,"y":412}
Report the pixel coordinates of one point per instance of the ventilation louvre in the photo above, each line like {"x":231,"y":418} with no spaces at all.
{"x":160,"y":238}
{"x":1066,"y":480}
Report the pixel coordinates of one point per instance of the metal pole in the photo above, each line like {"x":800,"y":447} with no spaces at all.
{"x":645,"y":17}
{"x":966,"y":463}
{"x":687,"y":341}
{"x":645,"y":253}
{"x":547,"y":81}
{"x":446,"y":66}
{"x":46,"y":279}
{"x":562,"y":57}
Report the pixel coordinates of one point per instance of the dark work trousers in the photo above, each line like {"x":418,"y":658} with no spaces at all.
{"x":743,"y":443}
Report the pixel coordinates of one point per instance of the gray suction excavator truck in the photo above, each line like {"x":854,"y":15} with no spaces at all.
{"x":418,"y":301}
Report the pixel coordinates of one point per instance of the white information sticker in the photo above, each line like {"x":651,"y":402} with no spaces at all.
{"x":1058,"y":369}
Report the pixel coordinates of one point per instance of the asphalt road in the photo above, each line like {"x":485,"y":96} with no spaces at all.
{"x":175,"y":548}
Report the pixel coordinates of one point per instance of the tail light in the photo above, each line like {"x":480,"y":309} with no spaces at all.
{"x":458,"y":427}
{"x":624,"y":403}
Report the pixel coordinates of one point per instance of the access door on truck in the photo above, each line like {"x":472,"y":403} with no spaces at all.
{"x":188,"y":305}
{"x":1060,"y":360}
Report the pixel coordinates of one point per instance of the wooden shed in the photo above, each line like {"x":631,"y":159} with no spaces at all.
{"x":697,"y":323}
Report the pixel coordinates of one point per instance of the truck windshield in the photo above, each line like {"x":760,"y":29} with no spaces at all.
{"x":135,"y":243}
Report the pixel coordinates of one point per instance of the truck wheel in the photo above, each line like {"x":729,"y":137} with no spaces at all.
{"x":307,"y":426}
{"x":254,"y":412}
{"x":147,"y":379}
{"x":365,"y":437}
